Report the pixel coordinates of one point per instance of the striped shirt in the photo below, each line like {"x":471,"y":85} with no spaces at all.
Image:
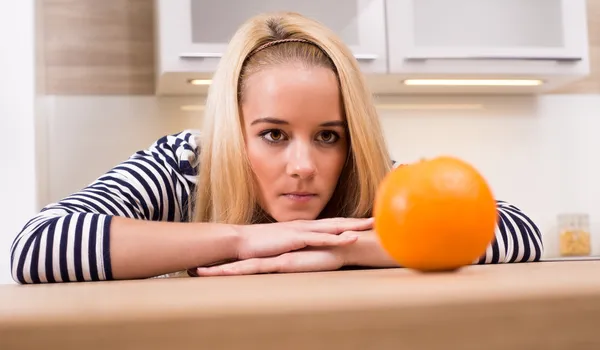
{"x":69,"y":240}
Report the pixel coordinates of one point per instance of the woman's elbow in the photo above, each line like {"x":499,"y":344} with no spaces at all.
{"x":517,"y":225}
{"x":28,"y":253}
{"x":17,"y":264}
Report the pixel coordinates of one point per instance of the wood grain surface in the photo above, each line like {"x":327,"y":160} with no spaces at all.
{"x":549,"y":305}
{"x":94,"y":47}
{"x":99,"y":47}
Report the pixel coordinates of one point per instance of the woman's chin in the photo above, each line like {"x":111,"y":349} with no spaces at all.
{"x":291,"y":215}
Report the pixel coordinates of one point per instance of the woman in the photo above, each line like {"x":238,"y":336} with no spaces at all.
{"x":281,"y":179}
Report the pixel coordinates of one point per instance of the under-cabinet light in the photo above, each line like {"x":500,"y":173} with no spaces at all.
{"x":200,"y":81}
{"x":392,"y":106}
{"x":473,"y":82}
{"x":429,"y":106}
{"x":192,"y":108}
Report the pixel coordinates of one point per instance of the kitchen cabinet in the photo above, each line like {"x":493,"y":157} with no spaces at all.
{"x":542,"y":39}
{"x":395,"y":40}
{"x":493,"y":29}
{"x":193,"y":34}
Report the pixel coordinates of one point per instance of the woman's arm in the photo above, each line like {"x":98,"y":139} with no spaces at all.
{"x":71,"y":240}
{"x":132,"y":223}
{"x":141,"y":249}
{"x":517,"y":239}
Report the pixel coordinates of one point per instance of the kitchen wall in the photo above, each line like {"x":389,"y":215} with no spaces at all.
{"x":541,"y":154}
{"x":17,"y":123}
{"x":97,"y":108}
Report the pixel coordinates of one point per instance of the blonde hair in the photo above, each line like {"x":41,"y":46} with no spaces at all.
{"x":226,"y":190}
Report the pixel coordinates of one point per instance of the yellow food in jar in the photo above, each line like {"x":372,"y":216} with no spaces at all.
{"x":575,"y":243}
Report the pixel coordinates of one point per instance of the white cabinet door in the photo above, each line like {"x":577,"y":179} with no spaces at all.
{"x":195,"y":33}
{"x":464,"y":33}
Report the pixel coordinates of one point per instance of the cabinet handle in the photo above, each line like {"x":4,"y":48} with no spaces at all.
{"x":200,"y":55}
{"x":515,"y":58}
{"x":365,"y":57}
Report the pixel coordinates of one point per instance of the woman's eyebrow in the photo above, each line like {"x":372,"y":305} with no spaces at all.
{"x":340,"y":123}
{"x":272,"y":120}
{"x":269,"y":120}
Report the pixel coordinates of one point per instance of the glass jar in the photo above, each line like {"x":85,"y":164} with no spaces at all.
{"x":574,"y":235}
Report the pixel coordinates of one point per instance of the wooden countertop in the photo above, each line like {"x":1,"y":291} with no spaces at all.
{"x":551,"y":305}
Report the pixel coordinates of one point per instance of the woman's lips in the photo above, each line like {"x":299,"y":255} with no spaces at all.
{"x":300,"y":197}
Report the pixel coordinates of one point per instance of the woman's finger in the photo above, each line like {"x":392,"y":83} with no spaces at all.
{"x":339,"y":225}
{"x":326,"y":240}
{"x":244,"y":267}
{"x":300,"y":261}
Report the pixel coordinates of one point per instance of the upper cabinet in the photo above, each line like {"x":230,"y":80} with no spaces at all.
{"x":396,"y":41}
{"x":193,"y":34}
{"x":490,"y":29}
{"x":532,"y":39}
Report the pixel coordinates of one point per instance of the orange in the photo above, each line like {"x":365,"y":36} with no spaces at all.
{"x":435,"y":215}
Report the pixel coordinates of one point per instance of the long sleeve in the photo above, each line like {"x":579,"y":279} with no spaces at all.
{"x":517,"y":239}
{"x":70,"y":240}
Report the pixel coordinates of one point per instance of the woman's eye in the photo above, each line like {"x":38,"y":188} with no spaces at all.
{"x":273,"y":135}
{"x":328,"y":137}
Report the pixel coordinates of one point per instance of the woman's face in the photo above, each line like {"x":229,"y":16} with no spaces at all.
{"x":295,"y":137}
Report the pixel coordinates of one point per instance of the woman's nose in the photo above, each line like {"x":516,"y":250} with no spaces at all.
{"x":301,"y":161}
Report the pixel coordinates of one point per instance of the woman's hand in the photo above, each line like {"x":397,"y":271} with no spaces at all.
{"x":366,"y":251}
{"x":307,"y":260}
{"x":268,"y":240}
